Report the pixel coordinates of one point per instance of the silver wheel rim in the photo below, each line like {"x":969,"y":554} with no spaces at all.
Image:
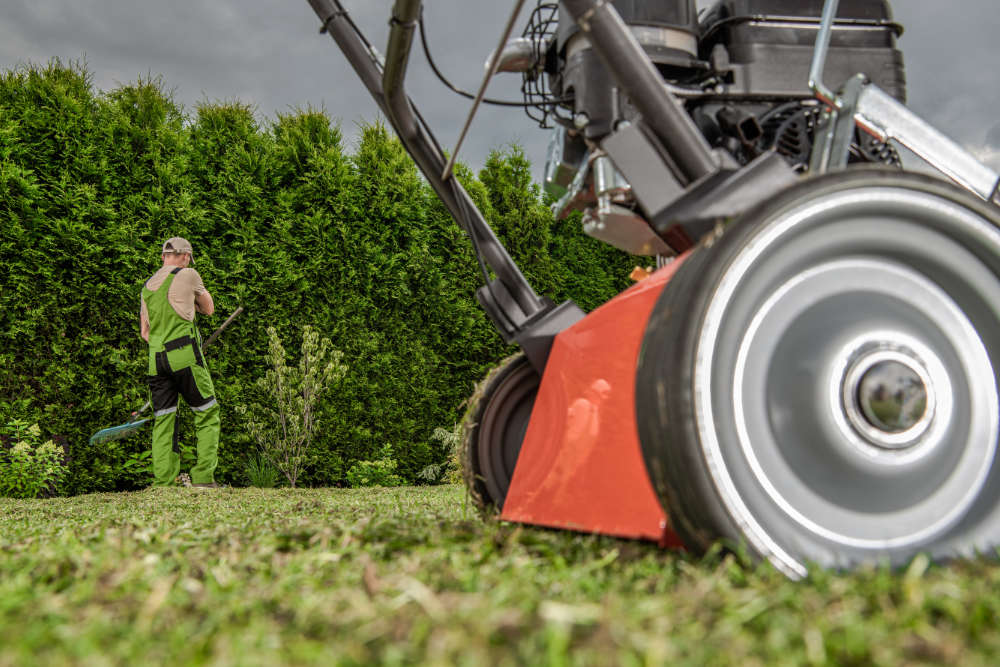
{"x":825,"y":292}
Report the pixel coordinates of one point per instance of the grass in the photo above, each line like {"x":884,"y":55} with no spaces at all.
{"x":251,"y":576}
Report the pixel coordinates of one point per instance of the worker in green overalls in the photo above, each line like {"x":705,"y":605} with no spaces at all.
{"x":170,"y":300}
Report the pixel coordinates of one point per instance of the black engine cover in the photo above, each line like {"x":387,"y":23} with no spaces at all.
{"x":769,"y":44}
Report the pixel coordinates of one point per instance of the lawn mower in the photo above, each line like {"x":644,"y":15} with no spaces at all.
{"x":811,"y":369}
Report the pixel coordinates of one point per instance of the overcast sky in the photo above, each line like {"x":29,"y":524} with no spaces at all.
{"x":268,"y":53}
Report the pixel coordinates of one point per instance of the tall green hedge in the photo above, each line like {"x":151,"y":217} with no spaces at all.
{"x":284,"y":222}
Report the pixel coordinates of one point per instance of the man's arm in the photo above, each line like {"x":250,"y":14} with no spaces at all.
{"x":143,"y":320}
{"x":202,"y":298}
{"x":204,"y":304}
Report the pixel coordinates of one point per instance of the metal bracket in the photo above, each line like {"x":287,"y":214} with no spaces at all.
{"x":835,"y":129}
{"x":326,"y":23}
{"x":879,"y":114}
{"x":566,"y":203}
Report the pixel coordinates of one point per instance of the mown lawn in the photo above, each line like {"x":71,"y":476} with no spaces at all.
{"x":249,"y":576}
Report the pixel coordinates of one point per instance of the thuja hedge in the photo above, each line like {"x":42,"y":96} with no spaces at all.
{"x":286,"y":223}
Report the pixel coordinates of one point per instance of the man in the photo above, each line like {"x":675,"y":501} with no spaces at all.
{"x":170,"y":300}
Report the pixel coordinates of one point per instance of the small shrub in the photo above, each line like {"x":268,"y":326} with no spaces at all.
{"x":139,"y":463}
{"x":261,"y":473}
{"x":284,"y":423}
{"x":136,"y":471}
{"x":449,"y":472}
{"x":323,"y":466}
{"x":381,"y":472}
{"x":29,"y":469}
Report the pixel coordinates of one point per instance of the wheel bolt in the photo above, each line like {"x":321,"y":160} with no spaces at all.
{"x":892,"y":397}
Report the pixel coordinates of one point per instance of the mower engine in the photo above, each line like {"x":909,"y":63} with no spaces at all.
{"x":814,"y":370}
{"x":742,"y":70}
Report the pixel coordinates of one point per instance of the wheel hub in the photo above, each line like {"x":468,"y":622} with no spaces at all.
{"x":892,"y":396}
{"x":889,"y":397}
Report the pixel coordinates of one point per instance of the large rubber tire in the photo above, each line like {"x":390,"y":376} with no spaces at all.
{"x":494,"y":429}
{"x":765,"y":343}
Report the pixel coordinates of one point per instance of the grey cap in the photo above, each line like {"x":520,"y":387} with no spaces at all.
{"x":178,"y":246}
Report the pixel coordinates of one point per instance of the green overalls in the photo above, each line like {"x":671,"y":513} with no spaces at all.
{"x":176,"y":366}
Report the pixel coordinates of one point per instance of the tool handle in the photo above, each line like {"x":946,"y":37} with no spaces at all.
{"x":211,"y":339}
{"x":135,"y":415}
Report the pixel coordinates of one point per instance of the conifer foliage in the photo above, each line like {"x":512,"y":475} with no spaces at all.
{"x":285,"y":222}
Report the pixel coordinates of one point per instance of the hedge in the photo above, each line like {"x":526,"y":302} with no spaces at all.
{"x":284,"y":222}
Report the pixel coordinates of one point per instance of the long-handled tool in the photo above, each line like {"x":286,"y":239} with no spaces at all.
{"x":134,"y":424}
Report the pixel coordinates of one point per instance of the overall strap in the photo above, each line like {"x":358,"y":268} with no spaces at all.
{"x":166,"y":283}
{"x":166,"y":326}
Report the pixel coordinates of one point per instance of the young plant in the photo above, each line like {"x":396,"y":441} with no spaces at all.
{"x":139,"y":463}
{"x":261,"y":473}
{"x":29,"y":469}
{"x":137,"y":469}
{"x":380,"y":472}
{"x":284,"y":423}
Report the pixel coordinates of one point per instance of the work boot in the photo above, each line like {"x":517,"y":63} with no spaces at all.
{"x":209,"y":485}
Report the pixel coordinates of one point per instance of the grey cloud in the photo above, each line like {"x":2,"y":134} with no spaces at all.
{"x":268,"y":53}
{"x":993,"y":136}
{"x":988,"y":155}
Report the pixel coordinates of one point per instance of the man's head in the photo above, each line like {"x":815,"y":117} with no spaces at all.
{"x":177,"y":252}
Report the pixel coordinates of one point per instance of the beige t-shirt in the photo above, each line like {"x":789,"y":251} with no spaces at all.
{"x":186,"y":286}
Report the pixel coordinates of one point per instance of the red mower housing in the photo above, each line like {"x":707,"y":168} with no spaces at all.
{"x":581,"y":466}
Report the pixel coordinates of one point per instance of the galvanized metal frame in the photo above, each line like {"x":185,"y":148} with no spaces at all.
{"x":879,"y":114}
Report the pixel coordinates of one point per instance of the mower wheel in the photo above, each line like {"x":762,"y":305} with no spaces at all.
{"x":820,"y":383}
{"x":494,"y":429}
